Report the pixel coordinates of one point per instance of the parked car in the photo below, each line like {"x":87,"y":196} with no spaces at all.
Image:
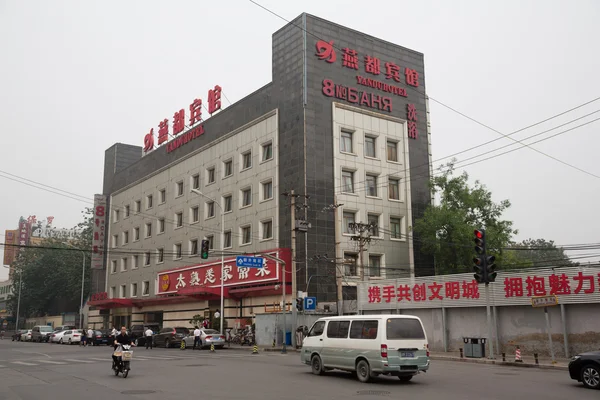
{"x":72,"y":336}
{"x":56,"y":336}
{"x":208,"y":337}
{"x":585,"y":368}
{"x":138,"y":333}
{"x":170,"y":336}
{"x":397,"y":346}
{"x":17,"y":335}
{"x":101,"y":337}
{"x":26,"y":337}
{"x":41,"y":333}
{"x":64,"y":328}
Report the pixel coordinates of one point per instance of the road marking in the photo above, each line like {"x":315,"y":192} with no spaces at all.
{"x":1,"y":366}
{"x":22,"y":363}
{"x":155,"y":358}
{"x":51,"y":362}
{"x":77,"y":361}
{"x":99,"y":359}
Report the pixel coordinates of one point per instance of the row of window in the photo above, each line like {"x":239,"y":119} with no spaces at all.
{"x":371,"y":146}
{"x":133,"y":290}
{"x":371,"y":184}
{"x":372,"y":269}
{"x":376,"y":229}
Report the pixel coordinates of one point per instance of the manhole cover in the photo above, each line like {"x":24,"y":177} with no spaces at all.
{"x":137,"y":391}
{"x":506,"y":373}
{"x":372,"y":393}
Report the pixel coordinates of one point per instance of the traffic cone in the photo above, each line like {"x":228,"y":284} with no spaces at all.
{"x":212,"y":347}
{"x":255,"y":349}
{"x":518,"y":355}
{"x":182,"y":345}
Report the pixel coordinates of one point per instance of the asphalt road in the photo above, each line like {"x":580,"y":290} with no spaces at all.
{"x":34,"y":371}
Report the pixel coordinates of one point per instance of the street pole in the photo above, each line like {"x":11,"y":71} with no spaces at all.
{"x":82,"y":286}
{"x":19,"y":299}
{"x":294,"y":284}
{"x":489,"y":319}
{"x":549,"y":334}
{"x":283,"y":349}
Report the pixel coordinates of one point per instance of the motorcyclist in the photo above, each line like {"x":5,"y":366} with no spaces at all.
{"x":121,"y":338}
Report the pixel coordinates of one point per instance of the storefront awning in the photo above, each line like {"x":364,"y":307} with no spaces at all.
{"x":111,"y":303}
{"x":203,"y":292}
{"x":262,"y":290}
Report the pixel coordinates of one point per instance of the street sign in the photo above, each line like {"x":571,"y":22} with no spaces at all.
{"x":310,"y":303}
{"x":544,"y":301}
{"x":249,"y":262}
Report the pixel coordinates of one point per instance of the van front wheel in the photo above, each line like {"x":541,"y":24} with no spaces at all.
{"x":316,"y":365}
{"x":363,"y":371}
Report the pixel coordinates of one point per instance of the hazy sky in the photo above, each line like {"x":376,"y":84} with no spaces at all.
{"x":76,"y":77}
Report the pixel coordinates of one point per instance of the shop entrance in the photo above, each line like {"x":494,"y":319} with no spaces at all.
{"x":154,"y":318}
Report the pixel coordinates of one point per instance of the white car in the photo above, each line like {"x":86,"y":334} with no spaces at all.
{"x":26,"y":337}
{"x":72,"y":336}
{"x":56,"y":337}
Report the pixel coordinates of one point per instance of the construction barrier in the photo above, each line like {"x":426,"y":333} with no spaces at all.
{"x":518,"y":355}
{"x":212,"y":347}
{"x":182,"y":345}
{"x":255,"y":349}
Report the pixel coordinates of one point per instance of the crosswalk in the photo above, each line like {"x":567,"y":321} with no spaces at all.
{"x":136,"y":358}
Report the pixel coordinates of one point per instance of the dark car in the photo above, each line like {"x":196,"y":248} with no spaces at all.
{"x":17,"y":335}
{"x":101,"y":337}
{"x":138,"y":333}
{"x":170,"y":336}
{"x":585,"y":368}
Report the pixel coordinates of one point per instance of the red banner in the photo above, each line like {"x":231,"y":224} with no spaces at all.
{"x":208,"y":275}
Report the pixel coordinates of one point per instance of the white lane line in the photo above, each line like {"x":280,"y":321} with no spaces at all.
{"x":99,"y":359}
{"x":51,"y":362}
{"x":155,"y":358}
{"x":1,"y":366}
{"x":22,"y":363}
{"x":77,"y":361}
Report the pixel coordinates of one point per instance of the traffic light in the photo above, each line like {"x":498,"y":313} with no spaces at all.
{"x":299,"y":301}
{"x":490,"y":268}
{"x":204,"y":249}
{"x":479,"y":267}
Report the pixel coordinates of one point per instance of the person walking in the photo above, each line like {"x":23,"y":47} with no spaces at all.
{"x":148,"y":334}
{"x":90,"y":335}
{"x":197,"y":338}
{"x":83,"y":338}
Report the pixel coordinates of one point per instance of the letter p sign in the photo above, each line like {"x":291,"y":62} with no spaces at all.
{"x":310,"y":303}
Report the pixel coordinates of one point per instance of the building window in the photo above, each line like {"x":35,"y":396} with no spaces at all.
{"x":394,"y":189}
{"x":115,"y":240}
{"x":246,"y":160}
{"x":123,"y":292}
{"x":350,"y":263}
{"x":149,"y":229}
{"x":346,"y":142}
{"x":127,"y":211}
{"x":193,"y":247}
{"x":227,"y":203}
{"x":246,"y":232}
{"x":210,"y":175}
{"x":395,"y":228}
{"x":349,"y":218}
{"x":246,"y":197}
{"x":136,"y":234}
{"x":145,"y":288}
{"x":210,"y":209}
{"x":374,"y":223}
{"x":211,"y":242}
{"x":195,"y":214}
{"x":161,"y":225}
{"x":267,"y":229}
{"x":113,"y":289}
{"x":179,"y":220}
{"x":116,"y":216}
{"x":196,"y":181}
{"x":267,"y":190}
{"x":370,"y":146}
{"x":147,"y":258}
{"x":371,"y":185}
{"x":138,"y":206}
{"x":113,"y":267}
{"x":177,"y":251}
{"x":374,"y":265}
{"x":124,"y":264}
{"x":136,"y":262}
{"x":227,"y":168}
{"x":348,"y":181}
{"x":267,"y":151}
{"x":162,"y":195}
{"x":227,"y":241}
{"x":392,"y":151}
{"x":134,"y":290}
{"x":179,"y":188}
{"x":126,"y":237}
{"x":160,"y":255}
{"x":149,"y":201}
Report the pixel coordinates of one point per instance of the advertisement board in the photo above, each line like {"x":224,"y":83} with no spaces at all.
{"x":99,"y":231}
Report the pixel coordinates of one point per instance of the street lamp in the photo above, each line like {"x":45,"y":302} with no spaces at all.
{"x":19,"y":299}
{"x":82,"y":282}
{"x":222,"y":309}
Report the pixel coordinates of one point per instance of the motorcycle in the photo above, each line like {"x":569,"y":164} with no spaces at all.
{"x":124,"y":355}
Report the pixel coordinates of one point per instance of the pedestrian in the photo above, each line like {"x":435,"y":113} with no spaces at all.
{"x":148,"y":334}
{"x":197,"y":338}
{"x":90,"y":334}
{"x":83,"y":338}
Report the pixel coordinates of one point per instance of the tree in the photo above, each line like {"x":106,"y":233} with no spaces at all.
{"x":446,"y":230}
{"x":51,"y":274}
{"x":535,"y":253}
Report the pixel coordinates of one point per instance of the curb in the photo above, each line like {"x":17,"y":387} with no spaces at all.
{"x":503,"y":363}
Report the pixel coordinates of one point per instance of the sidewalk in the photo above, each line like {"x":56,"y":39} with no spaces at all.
{"x":528,"y":360}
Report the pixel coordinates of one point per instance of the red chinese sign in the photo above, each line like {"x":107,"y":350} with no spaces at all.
{"x":209,"y":275}
{"x":411,"y":117}
{"x":422,"y":292}
{"x":179,"y":122}
{"x":98,"y":231}
{"x":99,"y":296}
{"x":352,"y":95}
{"x":555,"y":284}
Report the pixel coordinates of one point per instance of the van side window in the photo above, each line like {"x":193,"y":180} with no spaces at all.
{"x":317,"y":329}
{"x":404,"y":328}
{"x":363,"y":330}
{"x":338,"y":329}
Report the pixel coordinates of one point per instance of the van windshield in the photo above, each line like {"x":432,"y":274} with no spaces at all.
{"x":45,"y":329}
{"x":404,"y":328}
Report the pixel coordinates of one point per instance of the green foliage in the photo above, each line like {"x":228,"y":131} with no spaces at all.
{"x":535,"y":253}
{"x":197,"y":320}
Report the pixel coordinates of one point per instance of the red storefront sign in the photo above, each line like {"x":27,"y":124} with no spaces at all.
{"x":99,"y":296}
{"x":185,"y":280}
{"x":98,"y":230}
{"x":352,"y":95}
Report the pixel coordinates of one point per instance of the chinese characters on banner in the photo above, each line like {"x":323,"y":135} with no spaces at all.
{"x":100,"y":215}
{"x":24,"y":227}
{"x":424,"y":292}
{"x":555,"y":284}
{"x":179,"y":122}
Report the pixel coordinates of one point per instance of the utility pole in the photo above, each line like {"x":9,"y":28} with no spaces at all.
{"x":294,"y":284}
{"x":360,"y":229}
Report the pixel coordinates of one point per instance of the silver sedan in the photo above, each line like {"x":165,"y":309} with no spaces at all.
{"x":208,"y":336}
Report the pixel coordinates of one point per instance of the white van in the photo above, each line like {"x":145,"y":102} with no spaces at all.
{"x":368,"y":346}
